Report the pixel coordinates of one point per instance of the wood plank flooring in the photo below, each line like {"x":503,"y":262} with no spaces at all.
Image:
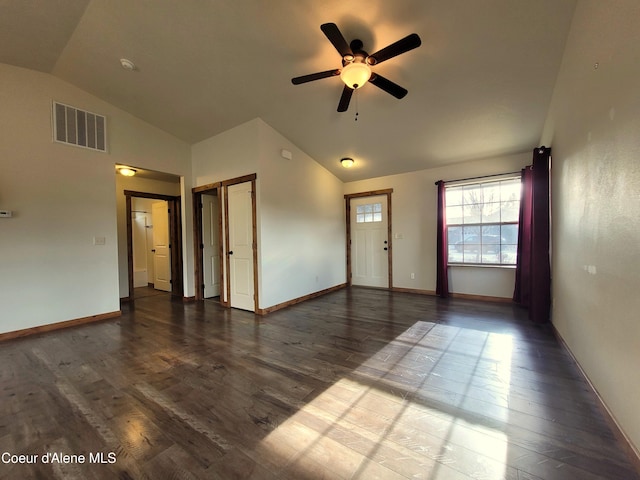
{"x":357,"y":384}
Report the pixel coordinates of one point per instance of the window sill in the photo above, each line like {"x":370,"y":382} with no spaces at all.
{"x":481,"y":265}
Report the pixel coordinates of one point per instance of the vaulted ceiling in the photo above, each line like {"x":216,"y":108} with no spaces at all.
{"x":479,"y":86}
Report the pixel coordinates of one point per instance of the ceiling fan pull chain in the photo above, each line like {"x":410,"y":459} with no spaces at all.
{"x":356,"y":119}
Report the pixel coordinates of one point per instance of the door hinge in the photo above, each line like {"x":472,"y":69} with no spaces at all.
{"x":202,"y":246}
{"x":170,"y":282}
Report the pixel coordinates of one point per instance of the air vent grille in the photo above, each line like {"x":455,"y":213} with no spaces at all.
{"x":78,"y":127}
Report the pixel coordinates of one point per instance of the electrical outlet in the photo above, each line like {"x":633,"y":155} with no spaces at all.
{"x":413,"y":276}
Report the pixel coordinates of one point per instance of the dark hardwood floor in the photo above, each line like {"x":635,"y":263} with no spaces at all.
{"x":358,"y":383}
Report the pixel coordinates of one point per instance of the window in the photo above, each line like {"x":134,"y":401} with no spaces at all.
{"x":371,"y":212}
{"x":482,"y":222}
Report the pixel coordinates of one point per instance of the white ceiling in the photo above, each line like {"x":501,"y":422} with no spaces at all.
{"x":479,"y":86}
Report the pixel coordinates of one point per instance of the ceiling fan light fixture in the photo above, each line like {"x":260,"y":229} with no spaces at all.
{"x":356,"y":64}
{"x":347,"y":162}
{"x":355,"y":74}
{"x":126,"y":171}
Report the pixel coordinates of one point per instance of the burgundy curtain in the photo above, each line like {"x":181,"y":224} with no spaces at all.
{"x":442,"y":277}
{"x":523,"y":262}
{"x":533,"y":269}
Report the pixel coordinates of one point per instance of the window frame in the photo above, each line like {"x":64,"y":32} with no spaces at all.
{"x":481,"y":249}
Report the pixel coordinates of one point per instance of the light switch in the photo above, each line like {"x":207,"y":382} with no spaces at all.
{"x":99,"y":240}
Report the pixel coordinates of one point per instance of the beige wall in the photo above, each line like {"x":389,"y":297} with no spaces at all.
{"x":593,"y":127}
{"x":299,"y":205}
{"x":302,"y":228}
{"x":63,"y":197}
{"x":414,"y":219}
{"x":231,"y":154}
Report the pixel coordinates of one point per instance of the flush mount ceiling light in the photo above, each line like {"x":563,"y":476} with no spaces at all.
{"x":347,"y":162}
{"x":126,"y":171}
{"x":127,"y":64}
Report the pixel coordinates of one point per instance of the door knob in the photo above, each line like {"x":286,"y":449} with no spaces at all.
{"x":231,"y":252}
{"x":153,"y":250}
{"x":386,"y":248}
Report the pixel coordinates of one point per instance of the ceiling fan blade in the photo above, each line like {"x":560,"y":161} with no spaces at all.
{"x":401,"y":46}
{"x":388,"y":86}
{"x":335,"y":37}
{"x":314,"y":76}
{"x":345,"y":98}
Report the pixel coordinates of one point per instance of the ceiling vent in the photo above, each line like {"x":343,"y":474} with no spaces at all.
{"x":78,"y":127}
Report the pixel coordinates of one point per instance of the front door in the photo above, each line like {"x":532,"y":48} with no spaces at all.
{"x":369,"y":241}
{"x":161,"y":252}
{"x":240,"y":250}
{"x":211,"y":246}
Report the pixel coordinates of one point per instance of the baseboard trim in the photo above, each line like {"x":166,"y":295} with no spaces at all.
{"x":58,"y":325}
{"x":632,"y":452}
{"x":280,"y":306}
{"x":481,"y":298}
{"x":413,"y":290}
{"x":465,"y":296}
{"x":188,"y":299}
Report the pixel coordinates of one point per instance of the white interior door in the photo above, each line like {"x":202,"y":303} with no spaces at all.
{"x":369,"y":241}
{"x":139,"y":241}
{"x":162,"y":255}
{"x":211,"y":246}
{"x":240,"y":250}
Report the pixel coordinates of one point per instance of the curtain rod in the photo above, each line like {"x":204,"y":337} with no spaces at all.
{"x":478,"y":178}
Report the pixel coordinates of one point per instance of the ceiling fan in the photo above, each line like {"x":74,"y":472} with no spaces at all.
{"x":356,"y":64}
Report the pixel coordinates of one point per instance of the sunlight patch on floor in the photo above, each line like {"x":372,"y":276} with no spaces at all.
{"x":395,"y":416}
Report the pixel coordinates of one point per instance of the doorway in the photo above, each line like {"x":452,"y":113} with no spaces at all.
{"x":369,"y":241}
{"x":225,"y":245}
{"x":167,"y":263}
{"x":209,"y":271}
{"x":211,"y":245}
{"x":150,"y":238}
